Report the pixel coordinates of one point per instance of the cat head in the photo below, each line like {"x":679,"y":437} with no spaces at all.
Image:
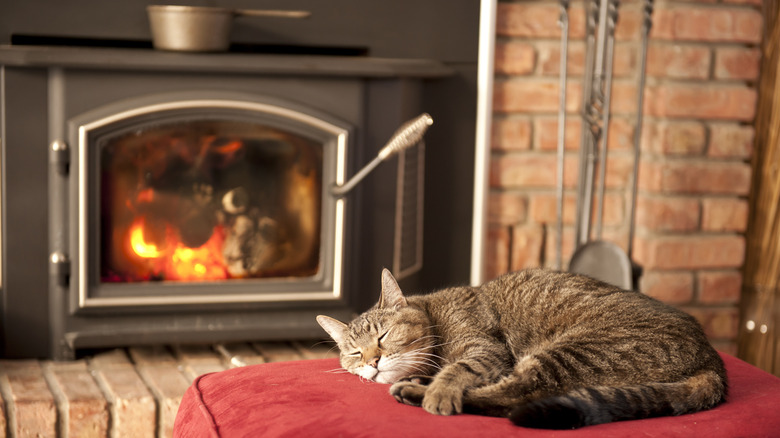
{"x":388,"y":342}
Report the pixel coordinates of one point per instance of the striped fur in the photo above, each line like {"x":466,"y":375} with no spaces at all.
{"x":547,"y":349}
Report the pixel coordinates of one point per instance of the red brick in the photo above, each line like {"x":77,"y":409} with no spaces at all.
{"x":616,"y":235}
{"x":707,"y":24}
{"x":678,"y":61}
{"x":690,"y":252}
{"x":168,"y":386}
{"x":546,"y":133}
{"x":197,"y":360}
{"x":731,"y":141}
{"x":719,"y":287}
{"x":196,"y":354}
{"x":619,"y":170}
{"x":511,"y":134}
{"x":132,"y":406}
{"x":668,"y":214}
{"x":276,"y":351}
{"x":526,"y":249}
{"x":318,"y":350}
{"x":543,"y":208}
{"x":507,"y":208}
{"x":192,"y":371}
{"x":737,"y":63}
{"x":530,"y":96}
{"x":497,"y":251}
{"x":528,"y":20}
{"x":151,"y":355}
{"x":110,"y":359}
{"x":695,"y":177}
{"x":83,"y":408}
{"x":629,"y":22}
{"x":526,"y":170}
{"x":722,"y":102}
{"x":624,"y":62}
{"x":623,"y":97}
{"x":239,"y":354}
{"x":718,"y":323}
{"x":621,"y":133}
{"x":669,"y":287}
{"x":540,"y":170}
{"x":724,"y":214}
{"x":31,"y":407}
{"x":671,"y":138}
{"x":514,"y":58}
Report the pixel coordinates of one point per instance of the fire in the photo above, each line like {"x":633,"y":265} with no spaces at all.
{"x":139,"y":245}
{"x":180,"y":263}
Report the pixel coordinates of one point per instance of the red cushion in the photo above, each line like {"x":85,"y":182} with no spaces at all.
{"x":316,"y":398}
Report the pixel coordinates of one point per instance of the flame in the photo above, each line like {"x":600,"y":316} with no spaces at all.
{"x":182,"y":263}
{"x":202,"y":263}
{"x":139,"y":245}
{"x":229,"y":148}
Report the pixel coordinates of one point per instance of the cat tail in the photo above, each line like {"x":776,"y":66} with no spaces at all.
{"x":596,"y":405}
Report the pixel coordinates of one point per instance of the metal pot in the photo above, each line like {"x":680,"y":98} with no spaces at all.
{"x":201,"y":28}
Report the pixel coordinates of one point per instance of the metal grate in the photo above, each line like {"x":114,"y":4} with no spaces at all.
{"x":408,"y":251}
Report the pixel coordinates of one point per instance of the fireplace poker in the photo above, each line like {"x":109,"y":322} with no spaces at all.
{"x":647,"y":23}
{"x":563,"y":22}
{"x":409,"y":134}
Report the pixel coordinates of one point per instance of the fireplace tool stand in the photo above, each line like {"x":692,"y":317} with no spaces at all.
{"x":592,"y":255}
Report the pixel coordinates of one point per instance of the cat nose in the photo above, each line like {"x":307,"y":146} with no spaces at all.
{"x":373,"y":362}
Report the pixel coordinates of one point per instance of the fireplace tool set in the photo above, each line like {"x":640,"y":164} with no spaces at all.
{"x":593,"y":256}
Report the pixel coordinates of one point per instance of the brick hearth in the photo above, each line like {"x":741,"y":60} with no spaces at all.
{"x":133,"y":392}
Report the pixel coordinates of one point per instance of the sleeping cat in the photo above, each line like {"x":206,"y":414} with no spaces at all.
{"x":547,"y":349}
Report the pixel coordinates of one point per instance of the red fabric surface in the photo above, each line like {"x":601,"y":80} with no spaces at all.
{"x":315,"y":399}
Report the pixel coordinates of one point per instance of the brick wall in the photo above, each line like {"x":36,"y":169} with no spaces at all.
{"x":694,"y":176}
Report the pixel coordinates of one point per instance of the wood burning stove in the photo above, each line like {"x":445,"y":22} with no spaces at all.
{"x":188,"y":198}
{"x":151,"y":197}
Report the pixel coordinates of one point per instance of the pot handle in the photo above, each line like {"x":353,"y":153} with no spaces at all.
{"x":270,"y":13}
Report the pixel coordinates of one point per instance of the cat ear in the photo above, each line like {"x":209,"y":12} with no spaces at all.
{"x":335,"y":328}
{"x":391,"y":293}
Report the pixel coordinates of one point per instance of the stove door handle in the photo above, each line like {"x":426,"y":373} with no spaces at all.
{"x":59,"y":156}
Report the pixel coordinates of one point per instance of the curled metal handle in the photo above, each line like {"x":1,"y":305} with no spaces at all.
{"x":271,"y":13}
{"x":408,"y":134}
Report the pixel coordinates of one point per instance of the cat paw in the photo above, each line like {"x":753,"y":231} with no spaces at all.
{"x":443,"y":400}
{"x":418,"y":379}
{"x":408,"y":392}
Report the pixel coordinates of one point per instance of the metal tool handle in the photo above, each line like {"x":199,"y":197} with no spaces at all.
{"x":270,"y":13}
{"x":409,"y":134}
{"x":586,"y":155}
{"x":609,"y":56}
{"x":563,"y":22}
{"x":647,"y":24}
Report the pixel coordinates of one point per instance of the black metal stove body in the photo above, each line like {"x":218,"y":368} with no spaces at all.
{"x":86,"y":107}
{"x":117,"y":176}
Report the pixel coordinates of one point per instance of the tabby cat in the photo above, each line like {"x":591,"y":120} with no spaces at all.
{"x":547,"y":349}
